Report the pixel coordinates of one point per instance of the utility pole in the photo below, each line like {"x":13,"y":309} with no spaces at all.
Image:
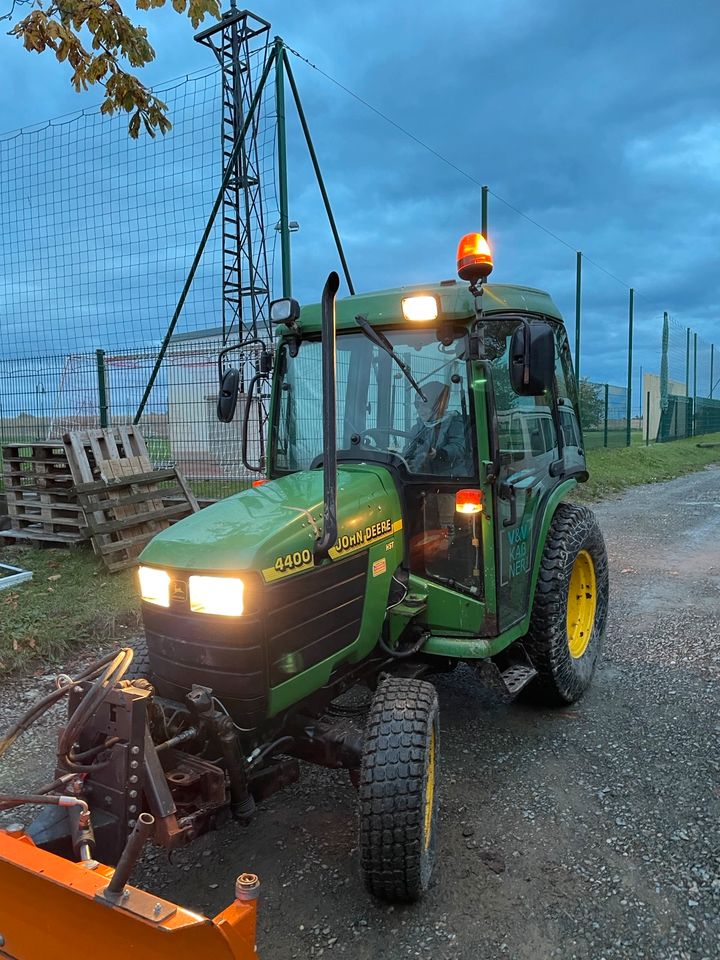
{"x":578,"y":306}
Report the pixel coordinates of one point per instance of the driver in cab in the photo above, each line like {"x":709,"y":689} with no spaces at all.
{"x":437,"y":442}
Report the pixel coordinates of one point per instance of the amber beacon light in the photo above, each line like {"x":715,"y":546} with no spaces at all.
{"x":474,"y":258}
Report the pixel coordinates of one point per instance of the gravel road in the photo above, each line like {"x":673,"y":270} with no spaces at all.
{"x":590,"y":833}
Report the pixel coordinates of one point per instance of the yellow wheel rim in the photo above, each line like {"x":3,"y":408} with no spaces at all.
{"x":430,"y":790}
{"x":582,"y":601}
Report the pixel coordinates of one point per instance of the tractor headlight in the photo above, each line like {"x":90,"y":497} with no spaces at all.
{"x":222,"y":596}
{"x":154,"y":586}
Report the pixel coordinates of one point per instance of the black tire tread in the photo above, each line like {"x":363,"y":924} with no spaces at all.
{"x":562,"y":680}
{"x":394,"y":863}
{"x":140,"y":666}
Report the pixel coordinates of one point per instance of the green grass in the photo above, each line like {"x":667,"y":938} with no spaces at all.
{"x":71,"y":599}
{"x":612,"y":471}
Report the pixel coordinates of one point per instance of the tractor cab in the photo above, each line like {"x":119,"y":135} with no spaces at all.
{"x":431,"y":390}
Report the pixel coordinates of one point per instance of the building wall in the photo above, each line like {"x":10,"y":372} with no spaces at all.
{"x":651,"y":385}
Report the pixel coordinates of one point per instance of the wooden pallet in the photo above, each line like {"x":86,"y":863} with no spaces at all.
{"x":124,"y":511}
{"x":42,"y":505}
{"x":39,"y":537}
{"x":86,"y":449}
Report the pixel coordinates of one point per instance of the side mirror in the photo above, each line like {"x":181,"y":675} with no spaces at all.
{"x":285,"y":311}
{"x":532,"y":358}
{"x":228,"y":395}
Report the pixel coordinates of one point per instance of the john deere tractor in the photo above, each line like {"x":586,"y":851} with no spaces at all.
{"x":408,"y":515}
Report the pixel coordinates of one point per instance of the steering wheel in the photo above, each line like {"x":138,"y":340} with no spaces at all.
{"x":372,"y":433}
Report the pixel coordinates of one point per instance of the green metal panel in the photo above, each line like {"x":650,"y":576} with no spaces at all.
{"x":291,"y":691}
{"x":102,"y":387}
{"x":479,"y":647}
{"x":250,"y":530}
{"x":456,"y":303}
{"x":631,"y":317}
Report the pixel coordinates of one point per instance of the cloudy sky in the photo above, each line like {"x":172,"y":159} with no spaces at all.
{"x":599,"y":121}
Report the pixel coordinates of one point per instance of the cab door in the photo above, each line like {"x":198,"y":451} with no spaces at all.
{"x":527,"y":444}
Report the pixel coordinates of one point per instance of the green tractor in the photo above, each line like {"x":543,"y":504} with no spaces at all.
{"x":409,"y":517}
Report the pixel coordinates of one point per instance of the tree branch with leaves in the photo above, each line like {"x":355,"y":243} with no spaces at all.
{"x":102,"y":46}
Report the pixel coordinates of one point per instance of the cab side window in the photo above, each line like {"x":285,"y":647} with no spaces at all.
{"x":567,"y":399}
{"x":526,"y":429}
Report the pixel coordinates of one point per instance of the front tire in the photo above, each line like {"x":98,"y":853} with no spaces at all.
{"x":569,"y":614}
{"x":398,"y":796}
{"x":140,"y":666}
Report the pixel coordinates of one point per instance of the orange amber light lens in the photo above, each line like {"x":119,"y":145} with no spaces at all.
{"x":474,"y":257}
{"x":469,"y":501}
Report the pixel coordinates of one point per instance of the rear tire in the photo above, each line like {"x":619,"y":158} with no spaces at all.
{"x":398,"y":796}
{"x":569,"y":614}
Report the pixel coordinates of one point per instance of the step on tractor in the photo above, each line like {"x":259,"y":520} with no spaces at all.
{"x":409,"y":514}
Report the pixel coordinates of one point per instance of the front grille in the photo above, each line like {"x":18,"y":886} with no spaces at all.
{"x":290,"y":626}
{"x":313,"y":615}
{"x":225,"y":654}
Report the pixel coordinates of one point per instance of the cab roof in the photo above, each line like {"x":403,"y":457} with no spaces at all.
{"x":456,"y":303}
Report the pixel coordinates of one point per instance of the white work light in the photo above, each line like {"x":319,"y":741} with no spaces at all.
{"x":424,"y":307}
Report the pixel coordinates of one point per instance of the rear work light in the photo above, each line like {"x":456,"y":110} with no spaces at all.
{"x":469,"y":501}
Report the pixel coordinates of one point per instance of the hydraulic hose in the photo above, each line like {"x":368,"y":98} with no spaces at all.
{"x":407,"y":652}
{"x":99,"y":690}
{"x":37,"y":709}
{"x":16,"y":800}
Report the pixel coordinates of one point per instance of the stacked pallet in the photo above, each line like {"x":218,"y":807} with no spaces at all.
{"x":42,"y":504}
{"x":125,"y":501}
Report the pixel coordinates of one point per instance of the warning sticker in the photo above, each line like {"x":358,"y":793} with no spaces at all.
{"x":379,"y":566}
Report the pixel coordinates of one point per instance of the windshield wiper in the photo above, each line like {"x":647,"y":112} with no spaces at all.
{"x":380,"y":340}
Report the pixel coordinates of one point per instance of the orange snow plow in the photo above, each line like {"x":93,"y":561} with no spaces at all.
{"x":49,"y":902}
{"x":66,"y":874}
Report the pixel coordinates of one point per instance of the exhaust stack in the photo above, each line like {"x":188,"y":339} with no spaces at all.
{"x":330,"y":530}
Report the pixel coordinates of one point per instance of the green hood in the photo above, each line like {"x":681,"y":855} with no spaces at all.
{"x":261,"y":528}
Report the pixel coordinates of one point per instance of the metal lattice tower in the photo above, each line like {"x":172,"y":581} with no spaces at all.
{"x":240,"y":41}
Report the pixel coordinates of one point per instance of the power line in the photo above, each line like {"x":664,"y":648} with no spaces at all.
{"x":460,"y":170}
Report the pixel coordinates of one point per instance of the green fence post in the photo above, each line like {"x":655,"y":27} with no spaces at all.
{"x":687,"y":363}
{"x":578,"y":304}
{"x":484,"y":212}
{"x":282,"y":170}
{"x":607,"y":405}
{"x":694,"y":382}
{"x":631,"y":318}
{"x":102,"y":387}
{"x":647,"y":420}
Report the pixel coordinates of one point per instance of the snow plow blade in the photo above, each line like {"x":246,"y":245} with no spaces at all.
{"x":52,"y":907}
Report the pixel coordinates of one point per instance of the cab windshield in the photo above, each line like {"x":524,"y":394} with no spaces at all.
{"x":378,"y":410}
